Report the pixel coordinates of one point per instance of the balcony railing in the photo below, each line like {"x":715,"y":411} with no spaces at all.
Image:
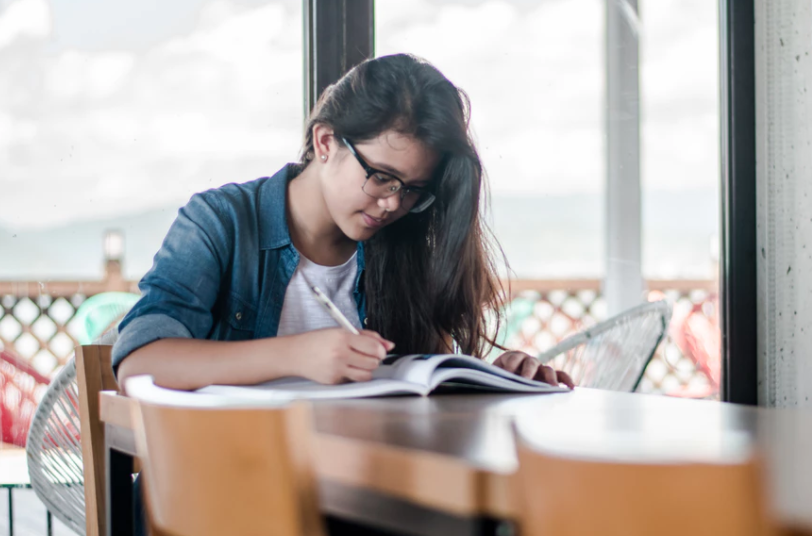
{"x":36,"y":322}
{"x":687,"y":363}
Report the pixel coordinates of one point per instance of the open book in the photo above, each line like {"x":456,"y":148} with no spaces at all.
{"x":398,"y":375}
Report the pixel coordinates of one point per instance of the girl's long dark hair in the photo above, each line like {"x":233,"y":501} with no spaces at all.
{"x":432,"y":273}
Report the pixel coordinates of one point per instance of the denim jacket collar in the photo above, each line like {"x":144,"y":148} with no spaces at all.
{"x":273,"y":223}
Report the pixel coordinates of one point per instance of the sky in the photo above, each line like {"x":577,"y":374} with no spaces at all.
{"x":89,"y":129}
{"x":535,"y":75}
{"x":108,"y":108}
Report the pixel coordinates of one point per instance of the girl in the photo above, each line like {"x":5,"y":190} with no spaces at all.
{"x":381,"y":212}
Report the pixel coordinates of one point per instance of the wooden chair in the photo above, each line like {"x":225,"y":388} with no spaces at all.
{"x":214,"y":471}
{"x":94,"y":373}
{"x":579,"y":497}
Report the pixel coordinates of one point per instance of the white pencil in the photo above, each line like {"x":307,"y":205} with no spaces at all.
{"x":337,"y":315}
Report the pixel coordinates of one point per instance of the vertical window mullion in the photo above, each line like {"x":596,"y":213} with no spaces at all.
{"x":338,"y":35}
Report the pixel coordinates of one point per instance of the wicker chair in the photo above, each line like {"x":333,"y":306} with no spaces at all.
{"x":54,"y":451}
{"x":613,"y":354}
{"x":54,"y":447}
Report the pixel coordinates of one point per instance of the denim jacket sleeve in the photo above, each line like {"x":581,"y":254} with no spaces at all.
{"x":180,"y":290}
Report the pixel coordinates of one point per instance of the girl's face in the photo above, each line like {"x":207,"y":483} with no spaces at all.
{"x":358,"y":214}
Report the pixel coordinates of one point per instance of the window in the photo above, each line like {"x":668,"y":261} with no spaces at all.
{"x":111,"y":116}
{"x":536,"y":76}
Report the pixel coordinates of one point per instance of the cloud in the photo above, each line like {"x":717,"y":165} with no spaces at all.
{"x":545,"y":161}
{"x":680,"y":95}
{"x":535,"y":75}
{"x":24,"y":18}
{"x":98,"y":133}
{"x":87,"y":133}
{"x":535,"y":82}
{"x":74,"y":75}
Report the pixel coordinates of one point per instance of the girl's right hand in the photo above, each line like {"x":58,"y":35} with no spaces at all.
{"x":332,"y":356}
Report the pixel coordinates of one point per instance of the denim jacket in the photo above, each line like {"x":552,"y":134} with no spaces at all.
{"x":222,"y":270}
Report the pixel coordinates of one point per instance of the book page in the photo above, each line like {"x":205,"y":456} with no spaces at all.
{"x":300,"y":388}
{"x":515,"y":384}
{"x":415,"y":368}
{"x":422,"y":368}
{"x":468,"y":362}
{"x":397,"y":375}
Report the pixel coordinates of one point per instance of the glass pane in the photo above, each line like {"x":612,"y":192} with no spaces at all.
{"x":679,"y":88}
{"x":112,"y":114}
{"x":536,"y":75}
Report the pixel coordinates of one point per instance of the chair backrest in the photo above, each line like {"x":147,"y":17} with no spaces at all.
{"x":54,"y":450}
{"x":101,"y":312}
{"x":613,"y":354}
{"x":569,"y":496}
{"x":214,"y":471}
{"x":94,"y":373}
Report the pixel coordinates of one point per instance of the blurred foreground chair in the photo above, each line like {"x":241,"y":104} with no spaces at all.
{"x":582,"y":496}
{"x":226,"y":470}
{"x":613,"y":354}
{"x":69,"y":412}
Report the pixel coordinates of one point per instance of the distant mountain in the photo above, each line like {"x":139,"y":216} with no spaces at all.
{"x":543,"y":236}
{"x":564,"y":236}
{"x":75,"y":250}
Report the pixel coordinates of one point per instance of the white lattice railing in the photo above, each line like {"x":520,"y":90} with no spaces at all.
{"x":686,"y":363}
{"x":36,"y":323}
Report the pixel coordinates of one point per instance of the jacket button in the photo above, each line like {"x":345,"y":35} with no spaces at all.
{"x":238,"y":316}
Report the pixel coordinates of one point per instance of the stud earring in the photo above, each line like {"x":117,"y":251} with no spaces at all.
{"x":324,"y":158}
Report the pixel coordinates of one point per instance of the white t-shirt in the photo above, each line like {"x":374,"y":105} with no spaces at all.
{"x":301,"y":312}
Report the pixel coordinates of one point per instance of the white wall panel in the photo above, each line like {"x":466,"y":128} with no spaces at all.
{"x":784,"y":189}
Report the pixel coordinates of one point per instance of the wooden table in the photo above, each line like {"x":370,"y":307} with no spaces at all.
{"x":443,"y":464}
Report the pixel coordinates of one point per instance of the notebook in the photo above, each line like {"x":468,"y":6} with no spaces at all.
{"x":419,"y":374}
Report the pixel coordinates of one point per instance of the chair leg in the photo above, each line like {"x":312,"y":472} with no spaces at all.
{"x":49,"y":523}
{"x":10,"y":512}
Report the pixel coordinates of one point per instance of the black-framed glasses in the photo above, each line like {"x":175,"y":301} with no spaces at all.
{"x":381,"y":184}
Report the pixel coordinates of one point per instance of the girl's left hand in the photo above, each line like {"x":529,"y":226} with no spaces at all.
{"x":529,"y":367}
